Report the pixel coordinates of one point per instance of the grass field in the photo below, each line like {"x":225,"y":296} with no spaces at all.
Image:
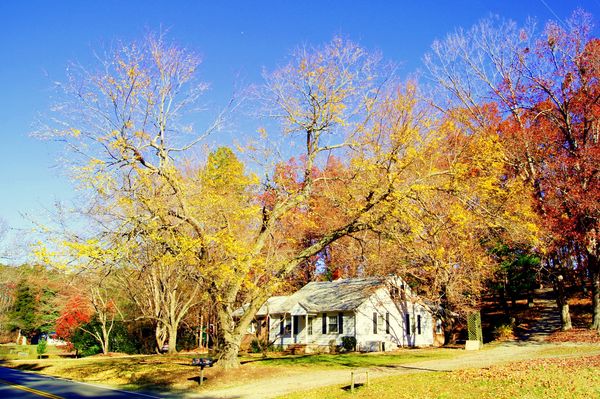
{"x":175,"y":372}
{"x":556,"y":378}
{"x":353,"y":360}
{"x":13,"y":352}
{"x":557,"y":371}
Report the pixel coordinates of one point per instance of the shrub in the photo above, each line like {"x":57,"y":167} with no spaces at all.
{"x":349,"y":343}
{"x":503,"y":332}
{"x":260,"y":345}
{"x":41,"y":347}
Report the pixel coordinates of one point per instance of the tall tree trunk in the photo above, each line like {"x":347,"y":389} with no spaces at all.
{"x":563,"y":304}
{"x":172,"y":328}
{"x":105,"y":339}
{"x":160,"y":336}
{"x":231,"y":337}
{"x":594,"y":269}
{"x":229,"y":349}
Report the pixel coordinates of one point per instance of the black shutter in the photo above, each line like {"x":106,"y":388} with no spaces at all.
{"x":419,"y":324}
{"x":296,"y":324}
{"x":281,"y":325}
{"x":387,"y":322}
{"x":407,"y":324}
{"x":324,"y":323}
{"x":374,"y":323}
{"x":341,"y":323}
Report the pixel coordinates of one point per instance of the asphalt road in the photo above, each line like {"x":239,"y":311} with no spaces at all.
{"x":25,"y":385}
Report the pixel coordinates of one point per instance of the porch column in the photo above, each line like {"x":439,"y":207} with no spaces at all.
{"x":292,"y":331}
{"x":306,"y":329}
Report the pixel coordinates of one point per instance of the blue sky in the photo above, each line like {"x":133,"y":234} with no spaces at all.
{"x":236,"y":39}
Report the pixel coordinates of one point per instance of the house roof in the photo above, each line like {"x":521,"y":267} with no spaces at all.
{"x":326,"y":296}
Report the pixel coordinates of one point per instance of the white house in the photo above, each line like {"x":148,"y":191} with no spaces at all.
{"x":381,"y":313}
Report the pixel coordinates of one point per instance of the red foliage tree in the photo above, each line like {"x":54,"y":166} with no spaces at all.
{"x":75,"y":313}
{"x":562,"y":138}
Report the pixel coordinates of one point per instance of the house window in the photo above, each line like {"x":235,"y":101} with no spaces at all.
{"x":310,"y":326}
{"x":419,"y":324}
{"x":407,"y":319}
{"x":333,"y":324}
{"x":374,"y":323}
{"x":438,"y":327}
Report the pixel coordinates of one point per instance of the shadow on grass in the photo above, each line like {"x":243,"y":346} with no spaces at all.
{"x":30,"y":367}
{"x":197,"y":379}
{"x":398,"y":366}
{"x":348,"y":388}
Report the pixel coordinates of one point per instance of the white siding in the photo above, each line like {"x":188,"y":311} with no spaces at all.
{"x":382,"y":305}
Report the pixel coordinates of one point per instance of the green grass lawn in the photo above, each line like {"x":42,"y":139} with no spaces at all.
{"x":354,"y":360}
{"x":557,"y":378}
{"x":14,"y":352}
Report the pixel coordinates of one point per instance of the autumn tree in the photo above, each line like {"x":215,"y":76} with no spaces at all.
{"x":545,"y":87}
{"x":74,"y":314}
{"x":365,"y":153}
{"x":125,"y":123}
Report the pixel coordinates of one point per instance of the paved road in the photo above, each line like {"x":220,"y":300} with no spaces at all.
{"x":24,"y":385}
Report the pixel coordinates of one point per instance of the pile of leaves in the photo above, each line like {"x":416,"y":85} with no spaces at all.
{"x":513,"y":371}
{"x":540,"y":377}
{"x":575,"y":335}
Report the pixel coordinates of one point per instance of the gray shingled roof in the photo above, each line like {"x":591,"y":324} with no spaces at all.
{"x":326,"y":296}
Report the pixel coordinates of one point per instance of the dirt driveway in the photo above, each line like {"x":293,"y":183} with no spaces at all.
{"x":271,"y":387}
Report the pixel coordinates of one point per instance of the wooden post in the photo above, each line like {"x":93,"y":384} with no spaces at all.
{"x":367,"y":373}
{"x":352,"y":381}
{"x":201,"y":375}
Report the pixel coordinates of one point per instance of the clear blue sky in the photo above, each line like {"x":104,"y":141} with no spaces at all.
{"x":39,"y":38}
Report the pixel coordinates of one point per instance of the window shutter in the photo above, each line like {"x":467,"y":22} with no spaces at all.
{"x":281,"y":325}
{"x":407,"y":324}
{"x":374,"y":323}
{"x":419,"y":324}
{"x":324,"y":323}
{"x":340,"y":323}
{"x":387,"y":322}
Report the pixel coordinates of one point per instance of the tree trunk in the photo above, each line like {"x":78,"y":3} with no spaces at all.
{"x":230,"y":337}
{"x":563,"y":304}
{"x":172,"y":339}
{"x":530,"y":298}
{"x":105,"y":340}
{"x":503,"y":300}
{"x":228,"y":353}
{"x":160,"y":336}
{"x":594,"y":268}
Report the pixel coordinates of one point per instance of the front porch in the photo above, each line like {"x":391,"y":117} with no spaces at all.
{"x":296,"y":328}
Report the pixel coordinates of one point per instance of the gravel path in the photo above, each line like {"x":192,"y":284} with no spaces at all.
{"x":549,"y":318}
